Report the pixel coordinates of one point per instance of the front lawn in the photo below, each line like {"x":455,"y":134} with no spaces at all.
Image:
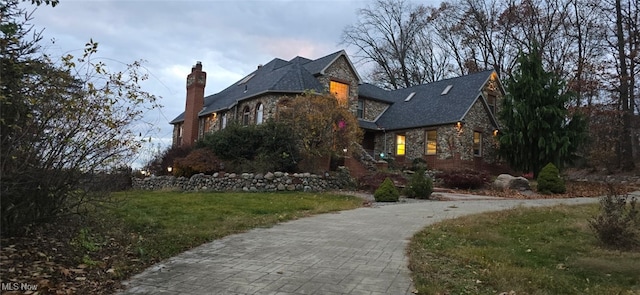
{"x":93,"y":253}
{"x":173,"y":222}
{"x":527,"y":251}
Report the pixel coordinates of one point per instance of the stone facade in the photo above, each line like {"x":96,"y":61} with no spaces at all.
{"x":341,"y":71}
{"x":276,"y":181}
{"x":373,"y":109}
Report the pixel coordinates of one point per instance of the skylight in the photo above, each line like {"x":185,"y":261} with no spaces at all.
{"x":246,"y":79}
{"x":410,"y":96}
{"x":446,"y":90}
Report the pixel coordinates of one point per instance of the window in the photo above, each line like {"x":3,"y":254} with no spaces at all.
{"x":360,"y":109}
{"x":491,"y":101}
{"x":340,"y":91}
{"x":477,"y":143}
{"x":224,"y":121}
{"x":432,"y":142}
{"x":245,"y":116}
{"x":259,"y":113}
{"x":400,"y":145}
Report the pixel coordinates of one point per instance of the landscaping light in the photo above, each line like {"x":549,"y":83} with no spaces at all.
{"x":169,"y":169}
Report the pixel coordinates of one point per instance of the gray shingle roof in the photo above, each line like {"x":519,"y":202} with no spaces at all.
{"x":277,"y":76}
{"x":428,"y":107}
{"x":373,"y":92}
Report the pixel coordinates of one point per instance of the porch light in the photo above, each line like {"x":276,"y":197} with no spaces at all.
{"x":459,"y":125}
{"x":495,"y":132}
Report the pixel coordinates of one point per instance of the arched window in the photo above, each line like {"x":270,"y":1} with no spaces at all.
{"x":246,"y":113}
{"x":259,"y":113}
{"x":224,"y":121}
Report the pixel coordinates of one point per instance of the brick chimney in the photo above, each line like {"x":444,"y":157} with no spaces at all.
{"x":196,"y":81}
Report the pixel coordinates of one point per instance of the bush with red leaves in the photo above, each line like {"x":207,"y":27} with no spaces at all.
{"x":464,"y":179}
{"x":201,"y":160}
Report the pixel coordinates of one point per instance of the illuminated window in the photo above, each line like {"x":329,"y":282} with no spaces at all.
{"x":432,"y":142}
{"x":400,"y":145}
{"x":360,"y":108}
{"x":340,"y":91}
{"x":246,"y":113}
{"x":259,"y":113}
{"x":477,"y":143}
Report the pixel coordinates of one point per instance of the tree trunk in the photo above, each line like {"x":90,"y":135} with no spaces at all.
{"x":626,"y":156}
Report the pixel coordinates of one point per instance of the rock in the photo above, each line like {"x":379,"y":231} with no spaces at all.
{"x":506,"y":181}
{"x":291,"y":187}
{"x":259,"y":176}
{"x":278,"y":174}
{"x":281,"y":187}
{"x":269,"y":176}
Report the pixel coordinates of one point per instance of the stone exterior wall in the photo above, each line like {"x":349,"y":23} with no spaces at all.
{"x":276,"y":181}
{"x":341,"y":71}
{"x":373,"y":109}
{"x":270,"y":107}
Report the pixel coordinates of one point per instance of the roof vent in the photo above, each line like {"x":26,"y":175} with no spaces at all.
{"x":410,"y":96}
{"x":446,"y":90}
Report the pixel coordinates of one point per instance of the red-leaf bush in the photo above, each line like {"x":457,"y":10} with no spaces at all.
{"x":464,"y":179}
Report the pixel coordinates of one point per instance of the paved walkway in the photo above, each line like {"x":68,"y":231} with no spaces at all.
{"x":360,"y":251}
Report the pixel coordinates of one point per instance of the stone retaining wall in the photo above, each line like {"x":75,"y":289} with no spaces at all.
{"x":276,"y":181}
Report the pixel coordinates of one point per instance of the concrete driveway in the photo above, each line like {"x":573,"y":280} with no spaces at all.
{"x":360,"y":251}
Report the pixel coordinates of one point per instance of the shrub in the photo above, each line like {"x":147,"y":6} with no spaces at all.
{"x":618,"y":222}
{"x":158,"y":165}
{"x":464,"y":179}
{"x":418,"y":164}
{"x":420,"y":186}
{"x":387,"y":192}
{"x":201,"y":160}
{"x":549,"y":180}
{"x":270,"y":146}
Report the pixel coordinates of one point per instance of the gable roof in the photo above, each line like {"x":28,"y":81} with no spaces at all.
{"x":277,"y":76}
{"x":430,"y":105}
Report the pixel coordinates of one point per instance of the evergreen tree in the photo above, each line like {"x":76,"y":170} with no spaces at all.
{"x":537,"y":128}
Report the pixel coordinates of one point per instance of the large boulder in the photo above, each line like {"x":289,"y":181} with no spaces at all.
{"x":506,"y":181}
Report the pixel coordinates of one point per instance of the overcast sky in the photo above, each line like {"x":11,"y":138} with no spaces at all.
{"x":230,"y":38}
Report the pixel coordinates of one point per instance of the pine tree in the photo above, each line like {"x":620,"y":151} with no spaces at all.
{"x":537,"y":128}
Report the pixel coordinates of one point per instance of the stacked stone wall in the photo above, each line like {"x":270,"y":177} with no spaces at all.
{"x":250,"y":182}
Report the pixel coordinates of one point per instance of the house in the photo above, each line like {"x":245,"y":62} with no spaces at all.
{"x":450,"y":123}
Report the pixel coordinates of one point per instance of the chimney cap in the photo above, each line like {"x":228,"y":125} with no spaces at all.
{"x":198,"y":62}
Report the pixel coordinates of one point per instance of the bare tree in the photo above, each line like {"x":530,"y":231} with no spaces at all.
{"x":386,"y":35}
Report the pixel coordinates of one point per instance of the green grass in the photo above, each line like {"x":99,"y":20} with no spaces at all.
{"x":168,"y":223}
{"x":529,"y":251}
